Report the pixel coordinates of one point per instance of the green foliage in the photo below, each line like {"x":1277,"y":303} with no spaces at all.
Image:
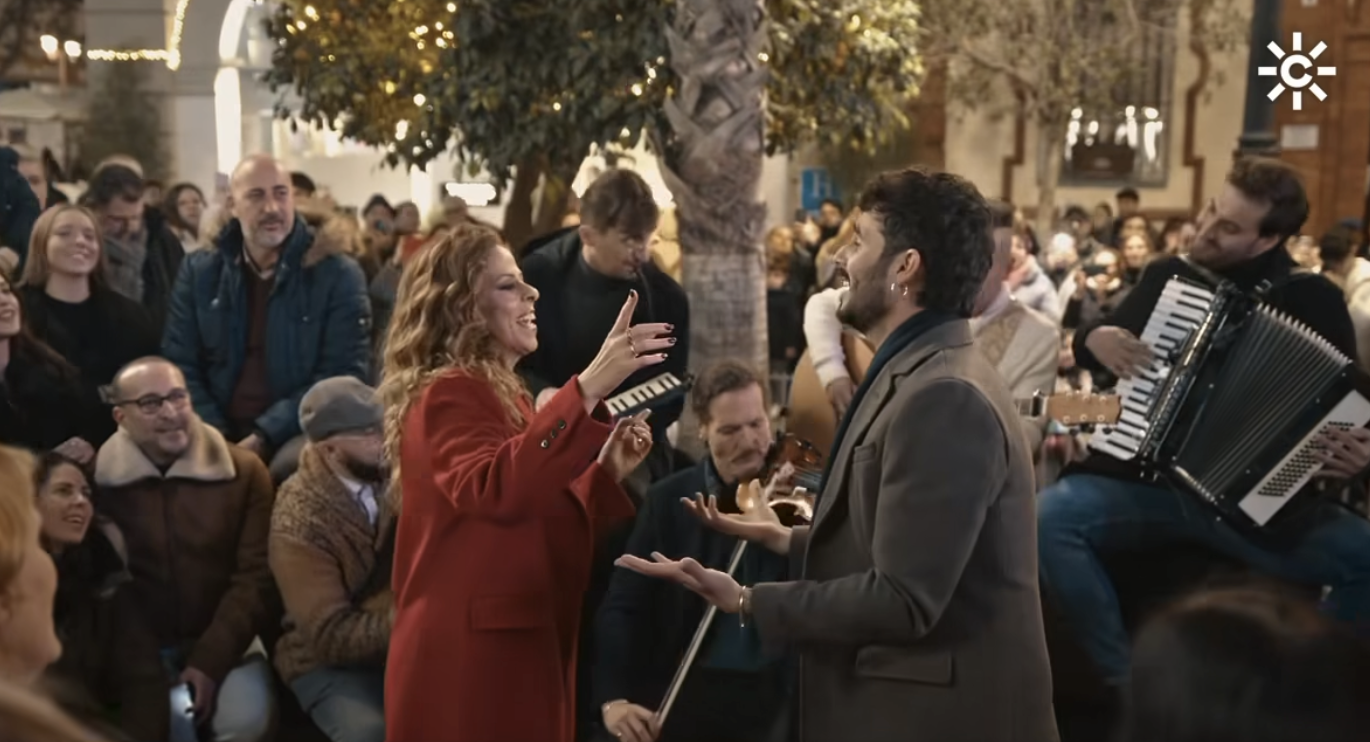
{"x":851,"y":169}
{"x":123,"y":118}
{"x":512,"y":81}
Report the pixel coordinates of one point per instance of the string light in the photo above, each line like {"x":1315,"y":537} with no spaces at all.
{"x":170,"y":55}
{"x":137,"y":55}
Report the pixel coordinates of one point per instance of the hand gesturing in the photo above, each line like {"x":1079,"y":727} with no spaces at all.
{"x":712,"y":585}
{"x":626,"y":349}
{"x":627,"y":447}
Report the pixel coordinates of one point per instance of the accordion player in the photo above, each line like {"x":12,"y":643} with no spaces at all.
{"x":1234,"y":404}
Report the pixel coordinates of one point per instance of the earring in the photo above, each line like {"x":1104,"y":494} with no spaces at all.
{"x":894,"y":287}
{"x":906,"y":291}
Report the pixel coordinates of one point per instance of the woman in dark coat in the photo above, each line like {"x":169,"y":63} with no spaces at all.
{"x":71,"y":308}
{"x":38,"y":388}
{"x":106,"y":657}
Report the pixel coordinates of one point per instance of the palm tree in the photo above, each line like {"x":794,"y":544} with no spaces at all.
{"x":712,"y":162}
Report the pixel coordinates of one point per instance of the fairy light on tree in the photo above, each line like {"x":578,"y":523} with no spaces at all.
{"x":484,"y":69}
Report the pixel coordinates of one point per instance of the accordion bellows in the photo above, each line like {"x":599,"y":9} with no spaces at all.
{"x":1233,"y":405}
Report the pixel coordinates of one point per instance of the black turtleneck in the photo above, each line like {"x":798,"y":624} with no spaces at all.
{"x":591,"y":305}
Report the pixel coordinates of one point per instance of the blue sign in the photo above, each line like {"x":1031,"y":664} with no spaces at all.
{"x":814,"y":186}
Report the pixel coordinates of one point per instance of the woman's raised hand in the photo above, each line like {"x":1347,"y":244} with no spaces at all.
{"x":626,"y":349}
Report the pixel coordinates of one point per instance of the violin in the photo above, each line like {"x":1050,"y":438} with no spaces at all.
{"x":808,"y":474}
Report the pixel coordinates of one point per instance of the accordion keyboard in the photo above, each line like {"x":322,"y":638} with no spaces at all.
{"x":654,"y":392}
{"x":1180,"y":309}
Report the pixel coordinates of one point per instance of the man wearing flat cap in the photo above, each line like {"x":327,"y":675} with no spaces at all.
{"x":332,"y":538}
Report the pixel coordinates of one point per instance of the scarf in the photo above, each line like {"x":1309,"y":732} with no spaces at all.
{"x":124,"y":258}
{"x":902,"y":337}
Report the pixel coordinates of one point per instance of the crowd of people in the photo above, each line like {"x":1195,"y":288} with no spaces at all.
{"x":414,"y":519}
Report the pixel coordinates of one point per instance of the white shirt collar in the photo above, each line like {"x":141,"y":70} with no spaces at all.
{"x":365,"y":495}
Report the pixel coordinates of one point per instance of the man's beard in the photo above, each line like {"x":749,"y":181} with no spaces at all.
{"x":364,"y":471}
{"x":258,"y":235}
{"x":863,"y":307}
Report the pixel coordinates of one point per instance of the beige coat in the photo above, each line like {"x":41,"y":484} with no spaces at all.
{"x":918,"y":615}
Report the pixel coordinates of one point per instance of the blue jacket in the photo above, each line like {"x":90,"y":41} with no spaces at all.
{"x":318,"y":322}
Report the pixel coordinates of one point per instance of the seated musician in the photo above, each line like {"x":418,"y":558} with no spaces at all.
{"x":1105,"y":505}
{"x":644,"y":625}
{"x":1022,"y":343}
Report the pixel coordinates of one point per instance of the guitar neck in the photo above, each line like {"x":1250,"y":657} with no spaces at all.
{"x":1072,"y":408}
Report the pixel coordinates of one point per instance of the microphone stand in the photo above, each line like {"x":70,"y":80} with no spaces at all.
{"x":695,"y":643}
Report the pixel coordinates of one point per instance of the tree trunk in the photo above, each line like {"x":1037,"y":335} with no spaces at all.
{"x":712,"y":164}
{"x":1050,"y":139}
{"x":555,"y":194}
{"x":525,"y":220}
{"x":518,"y":212}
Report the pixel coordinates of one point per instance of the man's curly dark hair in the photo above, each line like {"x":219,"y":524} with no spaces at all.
{"x":944,"y":218}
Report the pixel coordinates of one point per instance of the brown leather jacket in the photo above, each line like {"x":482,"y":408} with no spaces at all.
{"x":197,"y":543}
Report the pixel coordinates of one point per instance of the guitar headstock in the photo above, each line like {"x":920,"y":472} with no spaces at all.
{"x":1077,"y":408}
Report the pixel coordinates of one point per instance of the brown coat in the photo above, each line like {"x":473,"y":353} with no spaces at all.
{"x":196,"y":542}
{"x":918,"y":615}
{"x":328,"y":561}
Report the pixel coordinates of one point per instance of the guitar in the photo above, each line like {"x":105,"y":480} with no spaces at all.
{"x":810,"y":415}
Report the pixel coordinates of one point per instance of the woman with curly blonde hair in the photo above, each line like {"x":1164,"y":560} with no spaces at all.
{"x":28,"y":578}
{"x":500,"y":506}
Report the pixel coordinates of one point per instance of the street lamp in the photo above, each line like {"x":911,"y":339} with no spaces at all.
{"x":60,"y":52}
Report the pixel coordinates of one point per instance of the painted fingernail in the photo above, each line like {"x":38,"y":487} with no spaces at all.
{"x":670,"y":327}
{"x":672,"y":341}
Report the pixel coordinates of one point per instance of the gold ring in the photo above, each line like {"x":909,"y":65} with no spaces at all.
{"x":633,"y":350}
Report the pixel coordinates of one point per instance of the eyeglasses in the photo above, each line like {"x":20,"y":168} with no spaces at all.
{"x":151,"y":404}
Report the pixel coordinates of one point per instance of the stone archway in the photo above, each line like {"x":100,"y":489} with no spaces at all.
{"x":210,"y":88}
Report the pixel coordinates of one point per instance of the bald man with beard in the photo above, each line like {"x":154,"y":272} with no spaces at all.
{"x":274,"y":306}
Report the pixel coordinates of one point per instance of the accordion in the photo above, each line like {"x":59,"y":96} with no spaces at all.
{"x":1234,"y":400}
{"x":656,"y":392}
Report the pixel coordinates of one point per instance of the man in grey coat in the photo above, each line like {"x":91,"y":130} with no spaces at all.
{"x":916,"y":615}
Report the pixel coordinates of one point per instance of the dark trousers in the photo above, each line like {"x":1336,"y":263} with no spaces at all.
{"x":723,"y":706}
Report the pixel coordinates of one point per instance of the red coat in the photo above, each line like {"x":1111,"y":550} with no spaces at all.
{"x":496,"y":535}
